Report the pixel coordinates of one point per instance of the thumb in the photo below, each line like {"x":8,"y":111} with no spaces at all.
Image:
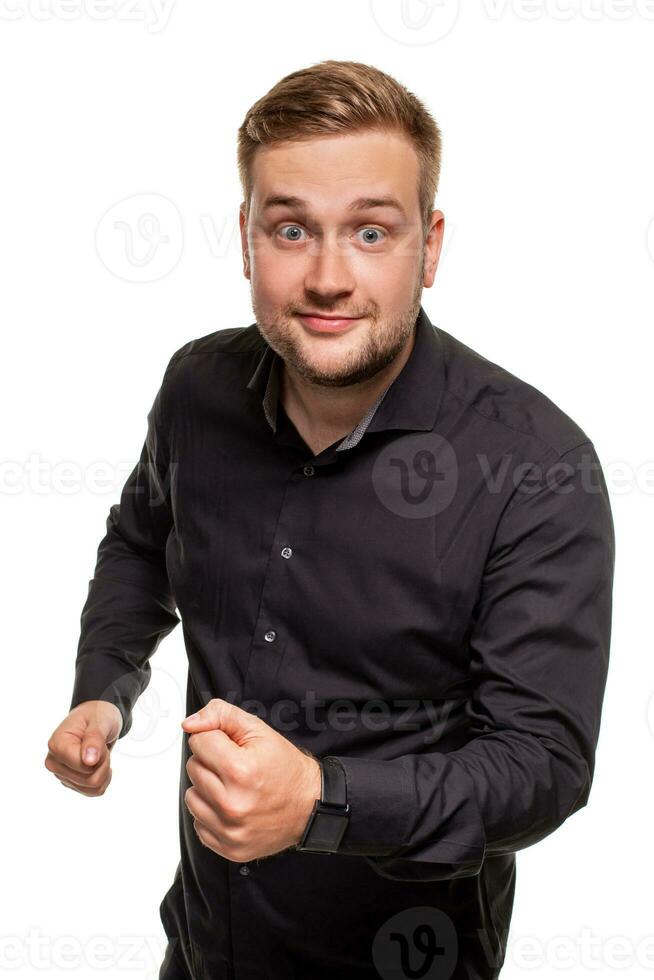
{"x":93,"y":746}
{"x":240,"y":725}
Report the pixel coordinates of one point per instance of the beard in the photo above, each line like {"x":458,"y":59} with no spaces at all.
{"x":385,"y":338}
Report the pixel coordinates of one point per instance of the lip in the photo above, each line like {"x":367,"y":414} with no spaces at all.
{"x":326,"y":324}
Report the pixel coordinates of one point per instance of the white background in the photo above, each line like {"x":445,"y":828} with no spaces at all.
{"x":547,"y":268}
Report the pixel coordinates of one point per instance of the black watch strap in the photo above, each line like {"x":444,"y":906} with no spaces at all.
{"x":331,"y":813}
{"x":334,"y":788}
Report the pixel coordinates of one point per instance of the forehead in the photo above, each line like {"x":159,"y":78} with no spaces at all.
{"x":330,"y":171}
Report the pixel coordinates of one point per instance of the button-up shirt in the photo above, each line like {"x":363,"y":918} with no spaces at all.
{"x":428,"y":600}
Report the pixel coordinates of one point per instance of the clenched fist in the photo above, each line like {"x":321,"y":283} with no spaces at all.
{"x":252,"y":789}
{"x":79,"y":749}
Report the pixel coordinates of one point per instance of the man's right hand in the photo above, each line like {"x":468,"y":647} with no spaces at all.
{"x":79,"y":749}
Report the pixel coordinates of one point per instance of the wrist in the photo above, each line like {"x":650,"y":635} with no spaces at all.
{"x":329,"y":815}
{"x":311,"y":791}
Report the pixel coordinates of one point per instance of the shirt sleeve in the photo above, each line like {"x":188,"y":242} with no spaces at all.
{"x":539,"y":651}
{"x":129,"y":608}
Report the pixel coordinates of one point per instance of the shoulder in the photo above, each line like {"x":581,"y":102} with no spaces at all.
{"x":214,"y":362}
{"x":226,"y":342}
{"x":216,"y":355}
{"x":497,"y":397}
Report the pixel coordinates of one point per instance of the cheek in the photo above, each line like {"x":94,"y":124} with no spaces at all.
{"x":276,"y":275}
{"x":390,"y":278}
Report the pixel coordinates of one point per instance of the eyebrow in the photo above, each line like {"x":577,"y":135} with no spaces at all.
{"x":359,"y":204}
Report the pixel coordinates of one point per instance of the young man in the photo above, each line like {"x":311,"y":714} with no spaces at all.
{"x":393,"y":561}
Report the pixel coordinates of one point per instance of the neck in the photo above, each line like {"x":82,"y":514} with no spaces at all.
{"x":327,"y":411}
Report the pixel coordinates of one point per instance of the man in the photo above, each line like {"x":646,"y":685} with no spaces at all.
{"x":393,"y":561}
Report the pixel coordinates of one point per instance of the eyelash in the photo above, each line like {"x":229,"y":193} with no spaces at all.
{"x":365,"y":228}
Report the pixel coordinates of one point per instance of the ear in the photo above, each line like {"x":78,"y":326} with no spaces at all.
{"x":243,"y":225}
{"x":433,"y":245}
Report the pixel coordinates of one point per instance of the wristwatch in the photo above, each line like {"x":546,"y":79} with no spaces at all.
{"x":331,"y":813}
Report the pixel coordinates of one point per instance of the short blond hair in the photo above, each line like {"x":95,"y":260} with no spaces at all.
{"x":339,"y":97}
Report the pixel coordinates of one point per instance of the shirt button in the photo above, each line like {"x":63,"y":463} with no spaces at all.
{"x":270,"y":636}
{"x":244,"y":869}
{"x":287,"y":552}
{"x":308,"y":470}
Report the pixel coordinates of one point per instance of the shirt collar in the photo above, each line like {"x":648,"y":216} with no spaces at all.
{"x":410,"y":402}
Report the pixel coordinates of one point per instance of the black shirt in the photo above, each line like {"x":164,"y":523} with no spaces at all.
{"x":429,"y":602}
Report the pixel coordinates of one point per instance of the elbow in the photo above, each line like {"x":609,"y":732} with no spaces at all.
{"x":573,"y":775}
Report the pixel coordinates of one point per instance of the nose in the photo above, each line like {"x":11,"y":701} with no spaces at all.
{"x":329,"y":273}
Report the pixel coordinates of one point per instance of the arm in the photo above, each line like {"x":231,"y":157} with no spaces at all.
{"x":129,"y":608}
{"x":539,"y":650}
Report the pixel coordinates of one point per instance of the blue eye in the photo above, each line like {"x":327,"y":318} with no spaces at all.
{"x":293,"y":233}
{"x":295,"y":228}
{"x":375,"y":231}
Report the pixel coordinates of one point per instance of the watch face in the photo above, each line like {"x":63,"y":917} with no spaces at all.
{"x":327,"y":830}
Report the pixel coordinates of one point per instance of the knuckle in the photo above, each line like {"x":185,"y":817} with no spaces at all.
{"x":238,"y":811}
{"x":239,"y":830}
{"x":234,"y":812}
{"x":242,"y":772}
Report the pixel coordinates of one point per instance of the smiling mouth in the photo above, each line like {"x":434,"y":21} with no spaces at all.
{"x":319,"y":323}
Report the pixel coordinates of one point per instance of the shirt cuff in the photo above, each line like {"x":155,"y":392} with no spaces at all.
{"x":382,"y":801}
{"x":121,"y":691}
